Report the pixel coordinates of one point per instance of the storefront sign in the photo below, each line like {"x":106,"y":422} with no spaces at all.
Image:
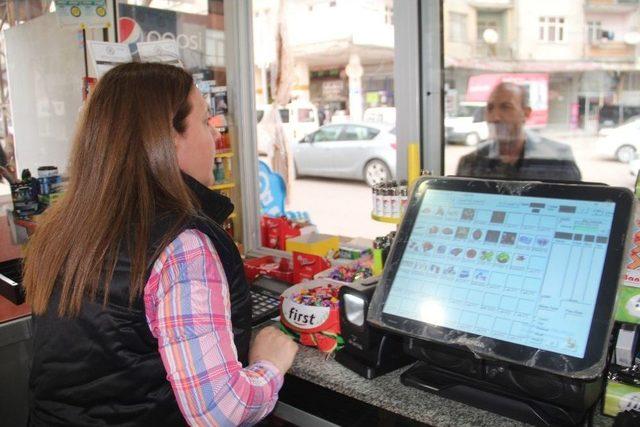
{"x":138,"y":24}
{"x":333,"y":89}
{"x":480,"y":87}
{"x":82,"y":13}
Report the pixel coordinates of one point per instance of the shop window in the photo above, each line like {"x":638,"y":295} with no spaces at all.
{"x":594,"y":31}
{"x":551,"y":29}
{"x":329,"y":90}
{"x":457,"y":27}
{"x":585,"y":118}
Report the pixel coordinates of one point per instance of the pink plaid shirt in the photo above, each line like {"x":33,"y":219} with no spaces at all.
{"x":188,"y":311}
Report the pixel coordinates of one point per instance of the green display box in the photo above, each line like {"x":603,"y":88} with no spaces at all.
{"x":628,"y":305}
{"x":621,"y":397}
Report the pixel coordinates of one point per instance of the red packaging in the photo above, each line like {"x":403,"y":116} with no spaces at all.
{"x":306,"y":266}
{"x":268,"y":266}
{"x":270,"y":231}
{"x":274,"y":232}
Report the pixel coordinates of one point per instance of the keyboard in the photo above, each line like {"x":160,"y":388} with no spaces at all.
{"x":265,"y":299}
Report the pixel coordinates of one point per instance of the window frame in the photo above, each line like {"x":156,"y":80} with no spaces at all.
{"x":546,"y":24}
{"x":239,"y":56}
{"x":460,"y":26}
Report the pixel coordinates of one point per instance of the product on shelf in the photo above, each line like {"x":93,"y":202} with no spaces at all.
{"x":389,"y":200}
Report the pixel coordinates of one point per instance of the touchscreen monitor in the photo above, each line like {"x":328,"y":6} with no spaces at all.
{"x":515,"y":271}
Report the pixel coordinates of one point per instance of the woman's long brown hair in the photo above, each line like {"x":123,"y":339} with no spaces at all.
{"x":123,"y":170}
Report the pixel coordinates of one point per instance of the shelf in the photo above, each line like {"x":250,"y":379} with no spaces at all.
{"x":390,"y":220}
{"x":222,"y":186}
{"x":224,"y":154}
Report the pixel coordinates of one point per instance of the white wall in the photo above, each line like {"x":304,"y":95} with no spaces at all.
{"x":619,"y":23}
{"x":45,"y":66}
{"x":360,"y":21}
{"x":528,"y":14}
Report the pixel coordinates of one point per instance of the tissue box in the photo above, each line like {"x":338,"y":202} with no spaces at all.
{"x":314,"y":244}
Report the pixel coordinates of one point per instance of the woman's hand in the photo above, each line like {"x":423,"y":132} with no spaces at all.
{"x":274,"y":346}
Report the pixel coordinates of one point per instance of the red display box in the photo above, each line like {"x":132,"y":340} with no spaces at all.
{"x":275,"y":231}
{"x":279,"y":269}
{"x":306,"y":266}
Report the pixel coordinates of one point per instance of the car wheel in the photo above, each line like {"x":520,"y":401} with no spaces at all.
{"x":626,"y":153}
{"x":375,"y":172}
{"x":472,"y":139}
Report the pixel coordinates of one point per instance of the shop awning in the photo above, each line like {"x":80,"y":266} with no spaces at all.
{"x":496,"y":65}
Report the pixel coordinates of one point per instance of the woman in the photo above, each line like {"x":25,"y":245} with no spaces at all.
{"x":141,"y":308}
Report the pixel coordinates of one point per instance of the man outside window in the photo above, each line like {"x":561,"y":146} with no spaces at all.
{"x":512,"y":152}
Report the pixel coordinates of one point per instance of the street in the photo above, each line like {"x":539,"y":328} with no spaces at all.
{"x":344,"y":207}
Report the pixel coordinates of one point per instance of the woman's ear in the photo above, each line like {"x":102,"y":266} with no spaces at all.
{"x":176,"y":137}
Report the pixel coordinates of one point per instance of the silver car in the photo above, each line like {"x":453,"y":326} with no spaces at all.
{"x":363,"y":151}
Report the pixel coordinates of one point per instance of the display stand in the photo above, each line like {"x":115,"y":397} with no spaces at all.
{"x":387,"y":219}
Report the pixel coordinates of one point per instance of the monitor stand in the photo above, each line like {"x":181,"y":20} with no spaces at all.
{"x":490,"y":396}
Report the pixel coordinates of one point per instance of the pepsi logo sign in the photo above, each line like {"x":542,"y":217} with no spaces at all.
{"x":131,"y":33}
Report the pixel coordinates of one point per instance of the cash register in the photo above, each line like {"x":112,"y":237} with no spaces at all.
{"x":504,"y":292}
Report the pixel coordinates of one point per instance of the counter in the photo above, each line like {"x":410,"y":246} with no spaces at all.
{"x":15,"y":360}
{"x":410,"y":406}
{"x":314,"y":387}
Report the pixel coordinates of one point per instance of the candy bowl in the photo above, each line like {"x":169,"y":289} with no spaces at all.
{"x":311,"y":310}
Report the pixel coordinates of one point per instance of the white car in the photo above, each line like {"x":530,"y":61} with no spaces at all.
{"x":469,"y":126}
{"x":363,"y":151}
{"x":622,"y":142}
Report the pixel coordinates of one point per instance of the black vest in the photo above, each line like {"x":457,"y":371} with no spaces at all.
{"x":103,"y":366}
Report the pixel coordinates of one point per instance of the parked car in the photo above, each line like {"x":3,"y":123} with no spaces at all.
{"x":621,"y":143}
{"x":611,"y":116}
{"x":364,"y":151}
{"x":469,"y":126}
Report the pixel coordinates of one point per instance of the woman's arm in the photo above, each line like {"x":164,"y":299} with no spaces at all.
{"x":188,"y":311}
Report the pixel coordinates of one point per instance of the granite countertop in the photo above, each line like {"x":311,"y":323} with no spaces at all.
{"x":387,"y":392}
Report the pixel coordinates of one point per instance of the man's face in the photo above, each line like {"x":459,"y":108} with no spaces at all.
{"x":506,"y":117}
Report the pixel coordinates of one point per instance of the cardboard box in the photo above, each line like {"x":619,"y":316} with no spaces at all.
{"x":314,"y":244}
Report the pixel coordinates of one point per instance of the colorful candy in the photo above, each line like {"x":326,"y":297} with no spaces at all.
{"x":352,"y":272}
{"x":321,"y":296}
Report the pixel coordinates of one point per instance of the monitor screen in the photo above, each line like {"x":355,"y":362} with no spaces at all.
{"x":520,"y":269}
{"x":522,"y":272}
